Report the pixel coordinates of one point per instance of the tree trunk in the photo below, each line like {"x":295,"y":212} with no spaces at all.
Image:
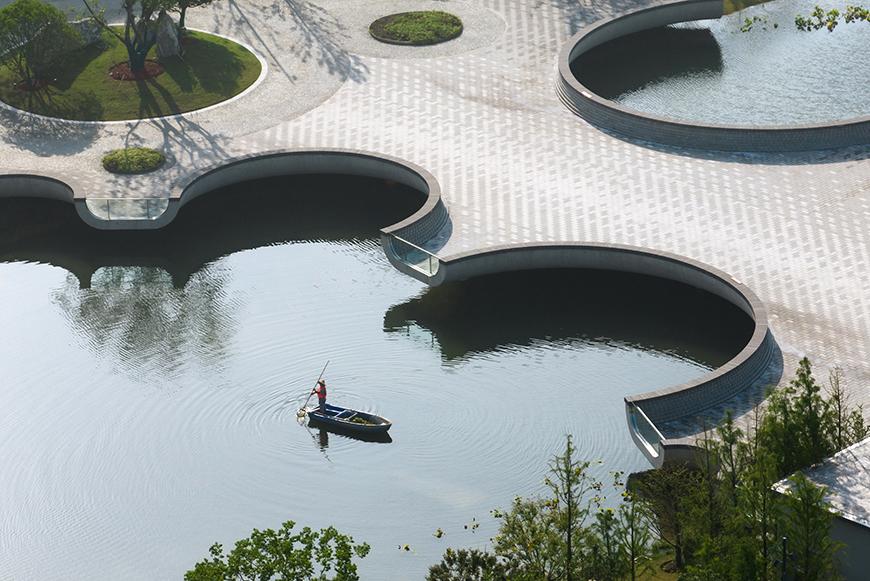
{"x":679,"y":561}
{"x":181,"y":16}
{"x":137,"y":59}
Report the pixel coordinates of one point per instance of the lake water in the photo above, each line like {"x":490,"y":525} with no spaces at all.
{"x":710,"y":72}
{"x":150,"y":381}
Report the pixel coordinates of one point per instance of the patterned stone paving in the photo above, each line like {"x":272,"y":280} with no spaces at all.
{"x":515,"y":166}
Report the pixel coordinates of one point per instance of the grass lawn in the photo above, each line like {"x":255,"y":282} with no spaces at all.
{"x":417,"y":28}
{"x":212,"y":70}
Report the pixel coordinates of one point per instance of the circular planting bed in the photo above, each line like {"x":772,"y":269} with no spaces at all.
{"x":417,"y":28}
{"x":89,"y":84}
{"x":133,"y":160}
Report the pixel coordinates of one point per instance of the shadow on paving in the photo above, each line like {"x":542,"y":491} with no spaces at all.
{"x":320,"y":32}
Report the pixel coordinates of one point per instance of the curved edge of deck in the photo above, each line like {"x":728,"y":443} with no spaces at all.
{"x":418,"y":229}
{"x":634,"y":124}
{"x":647,"y":411}
{"x":108,"y":213}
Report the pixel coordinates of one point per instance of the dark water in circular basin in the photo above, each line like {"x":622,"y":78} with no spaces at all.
{"x":147,"y":404}
{"x":710,"y":72}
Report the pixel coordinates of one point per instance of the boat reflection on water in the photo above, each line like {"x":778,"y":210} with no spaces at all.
{"x":323,"y":437}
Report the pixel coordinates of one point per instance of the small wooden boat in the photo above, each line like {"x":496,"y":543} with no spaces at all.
{"x":349,"y":420}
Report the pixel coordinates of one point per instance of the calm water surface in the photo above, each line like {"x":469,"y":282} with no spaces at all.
{"x":150,"y":382}
{"x":711,"y":72}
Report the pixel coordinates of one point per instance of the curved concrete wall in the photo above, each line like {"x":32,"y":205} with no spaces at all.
{"x":612,"y":116}
{"x":35,"y":186}
{"x":660,"y":405}
{"x":418,"y":228}
{"x":432,"y":214}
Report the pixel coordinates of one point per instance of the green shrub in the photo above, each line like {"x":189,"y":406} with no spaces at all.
{"x":133,"y":160}
{"x":417,"y":28}
{"x":34,"y":35}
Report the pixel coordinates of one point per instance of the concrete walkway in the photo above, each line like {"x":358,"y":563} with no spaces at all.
{"x":481,"y":113}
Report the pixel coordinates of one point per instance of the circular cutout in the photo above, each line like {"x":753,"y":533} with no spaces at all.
{"x":133,"y":160}
{"x":421,"y":28}
{"x":213,"y":69}
{"x":668,"y":130}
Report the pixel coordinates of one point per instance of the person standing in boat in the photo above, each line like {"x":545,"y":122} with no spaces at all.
{"x":320,"y":390}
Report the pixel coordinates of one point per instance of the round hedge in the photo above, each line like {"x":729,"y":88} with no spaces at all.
{"x":133,"y":160}
{"x":417,"y":28}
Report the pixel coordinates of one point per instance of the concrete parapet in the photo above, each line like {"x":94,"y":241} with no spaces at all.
{"x":635,"y":124}
{"x":419,"y":228}
{"x":659,"y":406}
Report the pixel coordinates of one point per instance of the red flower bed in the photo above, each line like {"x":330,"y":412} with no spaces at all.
{"x":122,"y":72}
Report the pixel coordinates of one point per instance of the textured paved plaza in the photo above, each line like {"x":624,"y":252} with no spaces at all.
{"x":482,"y":114}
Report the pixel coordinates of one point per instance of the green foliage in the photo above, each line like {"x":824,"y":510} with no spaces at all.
{"x":181,"y":7}
{"x":808,"y":520}
{"x":417,"y":28}
{"x":133,"y":160}
{"x":213,"y":69}
{"x":763,"y":21}
{"x":33,"y":36}
{"x":848,"y":419}
{"x":139,"y":34}
{"x":468,"y":565}
{"x":666,"y":494}
{"x":568,"y":534}
{"x":634,"y":538}
{"x":830,"y":19}
{"x":799,"y":426}
{"x":724,"y":518}
{"x":283,"y":555}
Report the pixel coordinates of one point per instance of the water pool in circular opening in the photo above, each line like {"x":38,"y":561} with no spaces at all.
{"x":709,"y":72}
{"x":151,"y":379}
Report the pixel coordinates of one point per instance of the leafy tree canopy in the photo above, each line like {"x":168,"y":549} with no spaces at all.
{"x":284,"y":555}
{"x":33,"y":36}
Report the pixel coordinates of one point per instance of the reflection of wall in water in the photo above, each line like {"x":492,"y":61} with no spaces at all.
{"x":242,"y":217}
{"x":634,"y":61}
{"x":610,"y":309}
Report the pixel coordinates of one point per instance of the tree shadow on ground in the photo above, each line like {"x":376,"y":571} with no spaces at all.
{"x":155,"y":100}
{"x":576,"y":14}
{"x":46,"y":136}
{"x":321,"y":34}
{"x":199,"y":67}
{"x":321,"y":30}
{"x":73,"y":64}
{"x":222,"y":80}
{"x":181,"y":72}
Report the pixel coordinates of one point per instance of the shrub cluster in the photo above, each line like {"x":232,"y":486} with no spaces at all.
{"x":133,"y":160}
{"x":417,"y":28}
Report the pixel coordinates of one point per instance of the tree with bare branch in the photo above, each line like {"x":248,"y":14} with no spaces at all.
{"x":139,"y":32}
